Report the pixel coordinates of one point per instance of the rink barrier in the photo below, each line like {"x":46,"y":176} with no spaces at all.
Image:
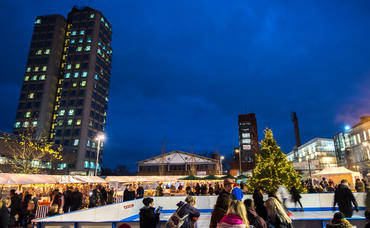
{"x":128,"y":211}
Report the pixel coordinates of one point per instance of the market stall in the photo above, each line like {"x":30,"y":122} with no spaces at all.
{"x":337,"y":174}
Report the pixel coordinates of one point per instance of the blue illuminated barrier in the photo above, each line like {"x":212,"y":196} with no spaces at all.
{"x":115,"y":214}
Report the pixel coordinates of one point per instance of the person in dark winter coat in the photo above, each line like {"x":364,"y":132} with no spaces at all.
{"x":15,"y":208}
{"x":76,"y":200}
{"x":359,"y":186}
{"x":103,"y":196}
{"x":67,"y":200}
{"x":197,"y":189}
{"x":4,"y":213}
{"x":367,"y":216}
{"x":296,"y":197}
{"x":344,"y":197}
{"x":140,"y":191}
{"x":259,"y":203}
{"x":149,"y":218}
{"x":222,"y":203}
{"x":254,"y":219}
{"x":94,"y":199}
{"x":210,"y":189}
{"x":188,"y":209}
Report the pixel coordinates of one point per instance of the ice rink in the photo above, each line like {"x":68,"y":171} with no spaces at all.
{"x":205,"y":217}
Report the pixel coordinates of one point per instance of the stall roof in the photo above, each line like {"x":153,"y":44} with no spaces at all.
{"x":334,"y":171}
{"x":126,"y":179}
{"x":17,"y":178}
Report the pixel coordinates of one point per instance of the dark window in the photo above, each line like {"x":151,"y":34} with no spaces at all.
{"x":76,"y":132}
{"x":67,"y":133}
{"x":71,"y":102}
{"x":79,"y":112}
{"x":80,"y":102}
{"x":58,"y":133}
{"x":66,"y":142}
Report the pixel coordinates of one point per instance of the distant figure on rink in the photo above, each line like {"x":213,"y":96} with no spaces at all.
{"x":344,"y":197}
{"x":296,"y":197}
{"x":282,"y":194}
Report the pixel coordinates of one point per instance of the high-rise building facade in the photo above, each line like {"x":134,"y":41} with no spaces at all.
{"x":248,"y":144}
{"x":65,"y":90}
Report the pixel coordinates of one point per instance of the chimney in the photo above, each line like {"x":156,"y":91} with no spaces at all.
{"x":296,"y":129}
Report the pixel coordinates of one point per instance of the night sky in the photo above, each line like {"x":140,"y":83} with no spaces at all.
{"x":185,"y":70}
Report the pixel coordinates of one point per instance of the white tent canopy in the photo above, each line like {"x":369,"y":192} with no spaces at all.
{"x":17,"y":178}
{"x":128,"y":179}
{"x":336,"y":171}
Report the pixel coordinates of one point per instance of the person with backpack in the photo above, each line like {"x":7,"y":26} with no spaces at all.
{"x":149,"y":217}
{"x":185,"y":216}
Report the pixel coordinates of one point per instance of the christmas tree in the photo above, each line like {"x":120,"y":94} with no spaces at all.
{"x":273,"y":168}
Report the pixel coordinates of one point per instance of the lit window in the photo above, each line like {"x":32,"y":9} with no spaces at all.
{"x":42,"y":77}
{"x":82,"y":32}
{"x":92,"y":15}
{"x":38,"y":52}
{"x":81,"y":40}
{"x":28,"y":69}
{"x":69,"y":66}
{"x":88,"y":39}
{"x":44,"y":68}
{"x":38,"y":21}
{"x":102,"y":19}
{"x":47,"y":51}
{"x":26,"y":124}
{"x":34,"y":123}
{"x":67,"y":75}
{"x":75,"y":142}
{"x":72,"y":41}
{"x":34,"y":78}
{"x":60,"y":122}
{"x":79,"y":49}
{"x":70,"y":121}
{"x":71,"y":112}
{"x":74,"y":84}
{"x":61,"y":112}
{"x":26,"y":78}
{"x":31,"y":95}
{"x":86,"y":164}
{"x":87,"y":48}
{"x":17,"y":124}
{"x":27,"y":115}
{"x":78,"y":122}
{"x":36,"y":69}
{"x":96,"y":77}
{"x":92,"y":165}
{"x":99,"y":51}
{"x":88,"y":143}
{"x":84,"y":74}
{"x":77,"y":66}
{"x":75,"y":75}
{"x":73,"y":33}
{"x":83,"y":83}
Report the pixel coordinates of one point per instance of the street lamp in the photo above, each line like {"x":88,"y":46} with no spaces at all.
{"x":98,"y":138}
{"x":221,"y":158}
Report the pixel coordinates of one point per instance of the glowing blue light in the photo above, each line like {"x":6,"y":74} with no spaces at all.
{"x":347,"y":128}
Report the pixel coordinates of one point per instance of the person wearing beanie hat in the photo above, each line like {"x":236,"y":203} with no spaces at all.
{"x":222,"y":203}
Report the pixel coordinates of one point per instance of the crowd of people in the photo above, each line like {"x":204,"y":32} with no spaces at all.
{"x":20,"y":207}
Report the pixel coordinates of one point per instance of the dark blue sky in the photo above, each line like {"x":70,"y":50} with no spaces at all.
{"x":184,"y":70}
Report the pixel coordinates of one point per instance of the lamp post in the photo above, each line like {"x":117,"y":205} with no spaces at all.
{"x":221,"y":158}
{"x":240,"y":160}
{"x":98,"y":138}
